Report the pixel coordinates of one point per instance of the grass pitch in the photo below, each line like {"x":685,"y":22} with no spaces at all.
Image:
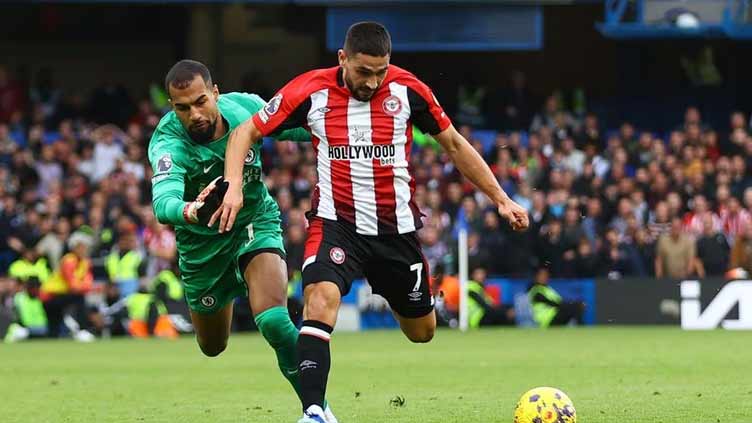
{"x":642,"y":375}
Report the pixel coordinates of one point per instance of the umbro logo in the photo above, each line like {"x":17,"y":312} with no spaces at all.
{"x":319,"y":113}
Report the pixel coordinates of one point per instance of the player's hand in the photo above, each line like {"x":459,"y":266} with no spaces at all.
{"x":208,"y":200}
{"x":228,"y":211}
{"x":514,"y":214}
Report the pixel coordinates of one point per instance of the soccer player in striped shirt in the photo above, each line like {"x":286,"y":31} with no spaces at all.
{"x":363,"y":220}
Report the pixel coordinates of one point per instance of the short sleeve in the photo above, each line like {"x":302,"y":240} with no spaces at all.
{"x":286,"y":109}
{"x":425,"y":110}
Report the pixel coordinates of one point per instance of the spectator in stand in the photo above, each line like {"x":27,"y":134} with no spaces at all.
{"x":733,"y":142}
{"x":676,"y":254}
{"x":434,"y":248}
{"x":590,"y":133}
{"x":107,"y":150}
{"x":712,"y":250}
{"x":741,"y":253}
{"x":735,"y":219}
{"x":586,"y":263}
{"x":694,"y":221}
{"x":52,"y":244}
{"x":160,"y":244}
{"x":477,"y":256}
{"x":551,"y":249}
{"x":574,"y":159}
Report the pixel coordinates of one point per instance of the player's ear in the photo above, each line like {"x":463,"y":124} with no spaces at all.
{"x":215,"y":92}
{"x":341,"y":56}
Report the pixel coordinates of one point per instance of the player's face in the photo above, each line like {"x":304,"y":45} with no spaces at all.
{"x":363,"y":74}
{"x":196,"y":107}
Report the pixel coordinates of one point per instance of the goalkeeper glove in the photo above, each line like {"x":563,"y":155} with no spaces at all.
{"x":207,"y":202}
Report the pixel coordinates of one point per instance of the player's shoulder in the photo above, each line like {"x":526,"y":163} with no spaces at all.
{"x":417,"y":89}
{"x":242,"y":98}
{"x":402,"y":76}
{"x":247,"y":101}
{"x":309,"y":82}
{"x":168,"y":136}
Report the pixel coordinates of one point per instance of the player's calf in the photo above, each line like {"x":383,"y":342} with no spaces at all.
{"x":320,"y":314}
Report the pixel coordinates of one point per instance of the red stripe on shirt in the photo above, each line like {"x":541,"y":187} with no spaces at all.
{"x":382,"y":127}
{"x":337,"y":134}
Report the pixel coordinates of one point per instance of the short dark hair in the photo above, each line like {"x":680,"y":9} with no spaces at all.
{"x":182,"y":73}
{"x":369,"y":38}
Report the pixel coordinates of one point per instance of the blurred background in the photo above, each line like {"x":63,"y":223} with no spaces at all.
{"x":623,"y":127}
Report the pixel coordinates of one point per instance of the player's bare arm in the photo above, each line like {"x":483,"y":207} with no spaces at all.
{"x":240,"y":141}
{"x":472,"y":166}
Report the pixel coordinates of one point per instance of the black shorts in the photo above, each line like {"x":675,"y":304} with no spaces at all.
{"x":393,"y":264}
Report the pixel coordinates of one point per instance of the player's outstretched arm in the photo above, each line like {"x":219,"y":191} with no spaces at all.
{"x":472,"y":166}
{"x":241,"y":140}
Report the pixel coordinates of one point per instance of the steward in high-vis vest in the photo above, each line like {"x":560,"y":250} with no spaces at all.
{"x":124,"y":265}
{"x":30,"y":317}
{"x":481,"y":309}
{"x":28,"y":266}
{"x":548,"y":307}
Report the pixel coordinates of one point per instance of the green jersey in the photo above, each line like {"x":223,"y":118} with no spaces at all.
{"x":209,"y":261}
{"x":183,"y":168}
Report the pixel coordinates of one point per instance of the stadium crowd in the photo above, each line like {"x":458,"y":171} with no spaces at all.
{"x":76,"y":218}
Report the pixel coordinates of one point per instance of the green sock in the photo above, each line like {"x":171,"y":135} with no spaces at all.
{"x":276,"y":327}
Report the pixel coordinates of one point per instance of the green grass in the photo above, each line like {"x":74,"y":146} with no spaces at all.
{"x":645,"y":375}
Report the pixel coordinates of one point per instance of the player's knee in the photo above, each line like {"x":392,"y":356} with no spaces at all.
{"x":212,"y":349}
{"x":421,"y":335}
{"x":321,"y":303}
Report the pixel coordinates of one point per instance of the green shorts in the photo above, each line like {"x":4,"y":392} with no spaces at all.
{"x":210,"y":265}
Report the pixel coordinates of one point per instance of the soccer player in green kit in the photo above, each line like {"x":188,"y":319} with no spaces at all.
{"x":187,"y":153}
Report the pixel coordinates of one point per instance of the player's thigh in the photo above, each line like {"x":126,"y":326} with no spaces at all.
{"x":212,"y":286}
{"x":265,"y":272}
{"x":400,"y":274}
{"x":208,"y":270}
{"x":332,"y":259}
{"x":212,"y":329}
{"x":418,"y":329}
{"x":261,"y":260}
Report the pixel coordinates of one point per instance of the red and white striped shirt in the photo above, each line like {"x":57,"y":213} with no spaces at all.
{"x":362,"y":148}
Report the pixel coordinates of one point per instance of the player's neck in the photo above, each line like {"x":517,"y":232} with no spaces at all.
{"x":221,"y":129}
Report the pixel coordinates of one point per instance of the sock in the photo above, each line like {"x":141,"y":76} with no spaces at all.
{"x":315,"y":360}
{"x":277,"y":328}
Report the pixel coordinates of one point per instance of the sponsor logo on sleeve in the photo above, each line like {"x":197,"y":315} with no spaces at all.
{"x":263,"y":116}
{"x":164,"y":164}
{"x":272,"y":106}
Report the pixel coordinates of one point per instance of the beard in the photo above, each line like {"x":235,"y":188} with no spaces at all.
{"x":359,"y":93}
{"x":203,"y":135}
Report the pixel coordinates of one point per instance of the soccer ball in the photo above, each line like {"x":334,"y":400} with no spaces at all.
{"x":544,"y":405}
